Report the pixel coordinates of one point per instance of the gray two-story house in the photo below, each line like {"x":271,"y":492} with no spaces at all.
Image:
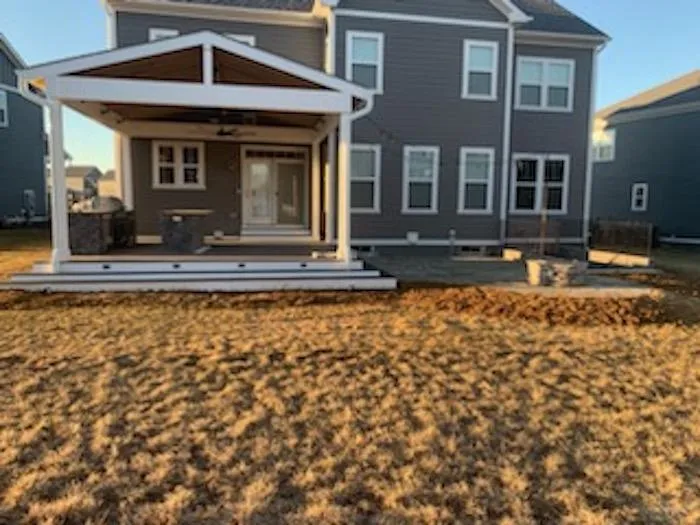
{"x":22,"y":176}
{"x":342,"y":125}
{"x":647,"y":153}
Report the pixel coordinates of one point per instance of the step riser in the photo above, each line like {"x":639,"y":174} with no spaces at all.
{"x":380,"y":283}
{"x":189,"y":267}
{"x":195,"y":276}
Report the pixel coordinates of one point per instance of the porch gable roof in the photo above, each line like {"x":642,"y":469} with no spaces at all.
{"x":39,"y":74}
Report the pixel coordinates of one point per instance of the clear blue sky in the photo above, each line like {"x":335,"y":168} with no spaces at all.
{"x":653,"y":41}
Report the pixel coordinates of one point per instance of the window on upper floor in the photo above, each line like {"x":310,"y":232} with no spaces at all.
{"x":480,"y":70}
{"x":178,"y":165}
{"x":476,"y":179}
{"x":4,"y":114}
{"x":539,"y":182}
{"x":604,"y":145}
{"x":244,"y":39}
{"x":364,"y":59}
{"x":365,"y":177}
{"x":545,"y":84}
{"x":640,"y":196}
{"x":421,"y":169}
{"x":158,"y":33}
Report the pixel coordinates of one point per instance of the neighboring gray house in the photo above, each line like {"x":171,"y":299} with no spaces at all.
{"x":647,"y":159}
{"x":343,"y":124}
{"x":82,"y":182}
{"x":21,"y":143}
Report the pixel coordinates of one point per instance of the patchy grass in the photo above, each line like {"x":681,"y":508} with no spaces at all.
{"x":425,"y":405}
{"x":21,"y":248}
{"x":271,"y":407}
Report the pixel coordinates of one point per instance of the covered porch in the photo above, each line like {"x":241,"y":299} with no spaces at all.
{"x":241,"y":153}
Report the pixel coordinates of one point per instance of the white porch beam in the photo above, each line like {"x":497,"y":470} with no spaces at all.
{"x":119,"y":164}
{"x":59,"y":199}
{"x":316,"y":191}
{"x":128,"y":173}
{"x":331,"y":179}
{"x":344,"y":139}
{"x":162,"y":93}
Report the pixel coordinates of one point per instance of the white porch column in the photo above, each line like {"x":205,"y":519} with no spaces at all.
{"x":127,"y":173}
{"x":332,"y":167}
{"x":344,"y":138}
{"x":59,"y":197}
{"x":316,"y":190}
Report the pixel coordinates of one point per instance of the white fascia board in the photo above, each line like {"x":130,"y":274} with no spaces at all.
{"x":514,"y":14}
{"x":159,"y":93}
{"x":420,"y":19}
{"x":544,"y":38}
{"x":201,"y":38}
{"x":257,"y":134}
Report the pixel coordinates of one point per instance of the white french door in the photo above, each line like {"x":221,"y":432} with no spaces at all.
{"x":275,"y":187}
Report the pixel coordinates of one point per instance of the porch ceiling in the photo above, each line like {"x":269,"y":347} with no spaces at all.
{"x":215,"y":116}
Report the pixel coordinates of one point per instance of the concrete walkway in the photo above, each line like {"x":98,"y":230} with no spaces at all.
{"x":494,"y":272}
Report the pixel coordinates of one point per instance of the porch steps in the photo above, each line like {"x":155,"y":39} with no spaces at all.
{"x":72,"y":279}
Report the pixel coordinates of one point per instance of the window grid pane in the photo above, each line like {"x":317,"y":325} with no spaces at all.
{"x":421,"y":165}
{"x":365,"y":50}
{"x":481,"y":58}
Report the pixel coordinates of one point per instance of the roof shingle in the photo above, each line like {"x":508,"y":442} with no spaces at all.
{"x":283,"y":5}
{"x":550,"y":16}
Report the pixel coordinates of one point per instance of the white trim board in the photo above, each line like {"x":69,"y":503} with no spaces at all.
{"x":467,"y":69}
{"x":434,"y":182}
{"x":376,"y":179}
{"x":161,"y":93}
{"x":464,"y":180}
{"x":421,"y":19}
{"x":690,"y":241}
{"x":350,"y":60}
{"x":200,"y":38}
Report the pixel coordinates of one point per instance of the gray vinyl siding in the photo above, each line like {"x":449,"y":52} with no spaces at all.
{"x":7,"y":71}
{"x":422,"y":105}
{"x":302,"y":44}
{"x":222,"y":193}
{"x":664,"y":153}
{"x":22,"y":156}
{"x":562,"y":133}
{"x":472,"y":9}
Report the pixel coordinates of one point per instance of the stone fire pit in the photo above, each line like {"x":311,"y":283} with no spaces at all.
{"x":556,"y":272}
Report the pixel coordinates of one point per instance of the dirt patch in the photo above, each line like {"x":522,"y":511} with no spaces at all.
{"x":467,"y":300}
{"x":681,"y":283}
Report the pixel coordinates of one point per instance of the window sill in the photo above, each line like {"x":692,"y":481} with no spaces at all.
{"x":542,"y":109}
{"x":197,"y":187}
{"x":475,"y":212}
{"x":538,"y":213}
{"x":419,"y":212}
{"x":479,"y":98}
{"x":365,"y":211}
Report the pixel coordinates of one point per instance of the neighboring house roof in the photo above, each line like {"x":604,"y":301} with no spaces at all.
{"x":284,"y":5}
{"x":549,"y":16}
{"x":11,"y":52}
{"x":682,"y":90}
{"x":108,"y":175}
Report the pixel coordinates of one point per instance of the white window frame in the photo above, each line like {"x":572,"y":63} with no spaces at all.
{"x":604,"y":140}
{"x":376,"y":180}
{"x":243,"y":39}
{"x":645,"y":197}
{"x":5,"y":106}
{"x":544,"y":91}
{"x":464,"y":180}
{"x":405,"y":209}
{"x":466,"y":69}
{"x":179,"y":165}
{"x":541,"y":159}
{"x":349,"y":60}
{"x":158,"y":33}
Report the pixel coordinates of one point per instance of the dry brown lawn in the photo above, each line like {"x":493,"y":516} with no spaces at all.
{"x":427,"y":406}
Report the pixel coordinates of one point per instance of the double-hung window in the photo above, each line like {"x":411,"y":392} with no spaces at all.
{"x":365,"y":178}
{"x":421,"y":169}
{"x":364,"y":59}
{"x":178,"y":165}
{"x":476,"y":179}
{"x":480,"y":70}
{"x":4,"y":114}
{"x":158,"y":33}
{"x":604,"y":145}
{"x":545,"y":84}
{"x":540,"y":182}
{"x":640,"y":196}
{"x":243,"y":39}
